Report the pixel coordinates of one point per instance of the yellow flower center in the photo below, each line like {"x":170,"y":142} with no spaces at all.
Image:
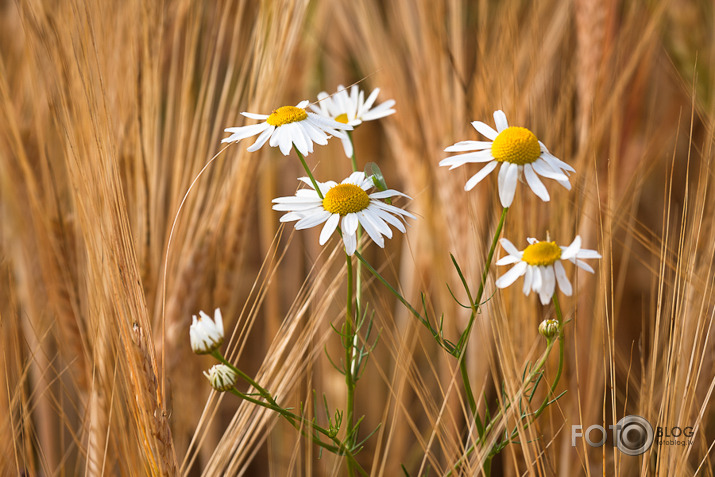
{"x":542,"y":253}
{"x":342,"y":118}
{"x":285,"y":115}
{"x":516,"y":145}
{"x":345,"y":199}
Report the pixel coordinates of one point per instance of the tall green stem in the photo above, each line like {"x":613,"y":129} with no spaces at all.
{"x":464,"y":337}
{"x":309,"y":172}
{"x":349,"y":338}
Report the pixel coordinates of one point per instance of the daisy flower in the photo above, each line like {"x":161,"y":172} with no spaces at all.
{"x":352,"y":109}
{"x":347,"y":204}
{"x":206,"y":334}
{"x":540,"y":264}
{"x":288,"y":126}
{"x":520,"y":154}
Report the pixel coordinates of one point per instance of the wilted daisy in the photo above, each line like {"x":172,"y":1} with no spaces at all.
{"x":348,"y":200}
{"x":352,"y":109}
{"x":519,"y":152}
{"x":540,"y":264}
{"x":288,"y":126}
{"x":221,"y":377}
{"x":206,"y":334}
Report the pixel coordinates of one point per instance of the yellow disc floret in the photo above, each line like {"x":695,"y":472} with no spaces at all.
{"x":345,"y":199}
{"x":542,"y":253}
{"x":516,"y":145}
{"x":342,"y":118}
{"x":285,"y":115}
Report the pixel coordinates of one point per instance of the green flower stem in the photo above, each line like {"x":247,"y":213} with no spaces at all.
{"x":307,"y":171}
{"x":495,"y":419}
{"x":464,"y":337}
{"x":262,"y":391}
{"x":358,"y":276}
{"x":339,"y":448}
{"x":349,"y":378}
{"x":477,"y":302}
{"x":397,"y":294}
{"x":534,"y":374}
{"x":560,"y":319}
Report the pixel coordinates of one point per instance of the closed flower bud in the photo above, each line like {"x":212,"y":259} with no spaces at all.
{"x":549,"y":329}
{"x":221,"y":377}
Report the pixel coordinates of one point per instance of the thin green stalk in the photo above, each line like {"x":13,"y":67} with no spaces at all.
{"x":262,"y":391}
{"x":308,"y":171}
{"x":339,"y":448}
{"x":560,"y":319}
{"x":464,"y":337}
{"x":537,"y":369}
{"x":478,"y":301}
{"x":349,"y":378}
{"x":358,"y":276}
{"x":495,"y":419}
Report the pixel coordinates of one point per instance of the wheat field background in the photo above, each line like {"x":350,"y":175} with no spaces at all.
{"x":108,"y":111}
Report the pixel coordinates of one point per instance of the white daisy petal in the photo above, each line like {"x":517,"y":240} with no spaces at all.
{"x":390,"y":219}
{"x":510,"y":277}
{"x":562,"y":279}
{"x":330,"y":225}
{"x":508,"y":176}
{"x":350,"y":223}
{"x":476,"y":178}
{"x":244,"y":132}
{"x":549,"y":285}
{"x":543,"y":168}
{"x":509,"y":247}
{"x":508,"y":259}
{"x":500,"y":120}
{"x":536,"y":185}
{"x":260,"y":117}
{"x":261,"y":140}
{"x":469,"y":146}
{"x":313,"y":220}
{"x":526,"y":289}
{"x":571,"y":251}
{"x":485,"y":130}
{"x":583,"y":266}
{"x":371,"y":230}
{"x":350,"y":241}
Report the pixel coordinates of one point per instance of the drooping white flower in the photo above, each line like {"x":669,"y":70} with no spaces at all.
{"x":289,"y":126}
{"x":352,"y":109}
{"x":347,"y":205}
{"x":520,"y":154}
{"x":221,"y":377}
{"x":206,"y":334}
{"x":540,"y":264}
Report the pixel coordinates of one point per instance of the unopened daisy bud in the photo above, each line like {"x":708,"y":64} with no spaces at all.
{"x":549,"y":329}
{"x":221,"y":377}
{"x":206,"y":334}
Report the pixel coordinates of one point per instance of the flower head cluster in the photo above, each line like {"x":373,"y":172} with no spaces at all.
{"x":351,"y":108}
{"x":221,"y":377}
{"x":520,"y":154}
{"x":289,"y":126}
{"x":206,"y":334}
{"x":347,"y":205}
{"x":540,"y":265}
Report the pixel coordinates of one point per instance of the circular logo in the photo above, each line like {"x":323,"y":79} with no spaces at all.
{"x":634,"y":435}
